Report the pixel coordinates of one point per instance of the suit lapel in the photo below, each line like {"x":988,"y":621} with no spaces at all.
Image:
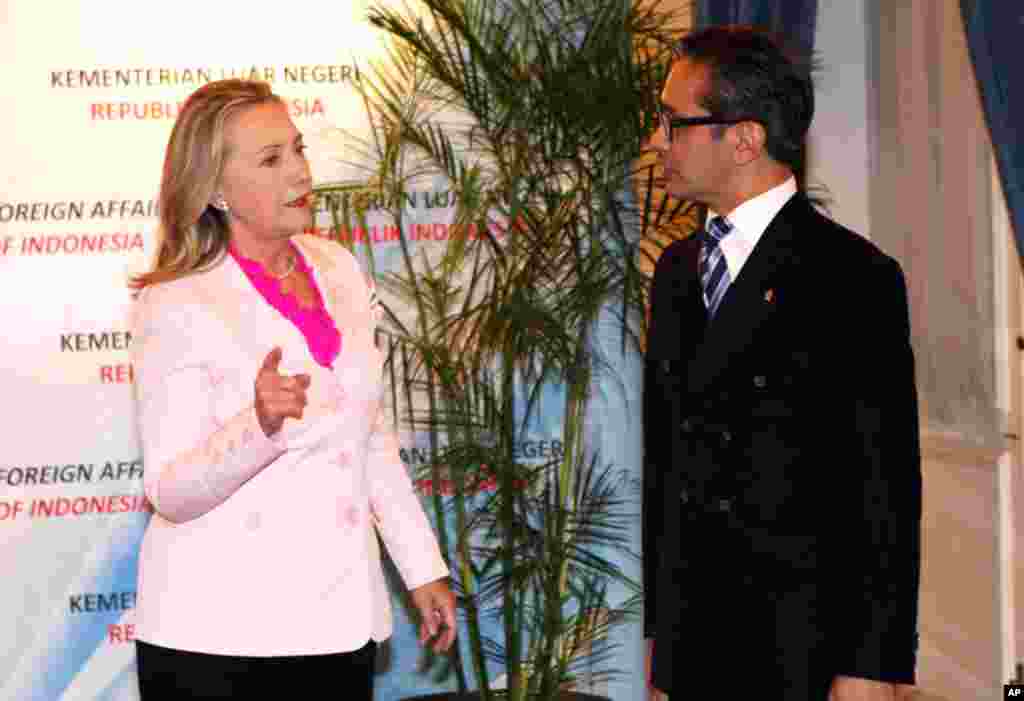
{"x":226,"y":291}
{"x":693,"y":315}
{"x":749,"y":302}
{"x":241,"y":309}
{"x":322,"y":266}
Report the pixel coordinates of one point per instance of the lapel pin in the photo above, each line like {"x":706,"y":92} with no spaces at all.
{"x":769,"y":295}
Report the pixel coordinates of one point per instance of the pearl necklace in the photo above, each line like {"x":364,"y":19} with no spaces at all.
{"x":286,"y":273}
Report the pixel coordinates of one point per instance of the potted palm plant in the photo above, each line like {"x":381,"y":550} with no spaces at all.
{"x":532,"y":113}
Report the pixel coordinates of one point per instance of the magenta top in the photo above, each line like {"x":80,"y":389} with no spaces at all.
{"x":322,"y":335}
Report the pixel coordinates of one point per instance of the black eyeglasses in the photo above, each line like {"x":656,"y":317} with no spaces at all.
{"x":669,"y":123}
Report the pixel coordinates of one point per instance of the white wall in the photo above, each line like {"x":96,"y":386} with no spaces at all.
{"x":839,"y":142}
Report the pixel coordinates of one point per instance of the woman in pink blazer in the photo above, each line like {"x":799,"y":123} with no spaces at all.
{"x":270,"y":463}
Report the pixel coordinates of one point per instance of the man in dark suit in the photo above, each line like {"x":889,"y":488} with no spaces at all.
{"x":782,"y":470}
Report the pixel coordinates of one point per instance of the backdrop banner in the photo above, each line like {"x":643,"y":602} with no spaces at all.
{"x":91,"y":92}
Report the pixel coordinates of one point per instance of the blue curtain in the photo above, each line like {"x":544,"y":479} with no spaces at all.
{"x":792,"y":19}
{"x":995,"y":31}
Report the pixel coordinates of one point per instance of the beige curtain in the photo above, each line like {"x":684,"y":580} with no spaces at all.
{"x":930,"y":207}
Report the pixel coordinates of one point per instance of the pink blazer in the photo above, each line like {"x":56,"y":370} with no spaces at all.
{"x":268,"y":546}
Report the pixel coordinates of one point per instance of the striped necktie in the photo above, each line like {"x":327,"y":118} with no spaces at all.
{"x":714,"y":274}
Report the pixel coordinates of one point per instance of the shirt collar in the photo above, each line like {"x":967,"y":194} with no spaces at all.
{"x":749,"y":222}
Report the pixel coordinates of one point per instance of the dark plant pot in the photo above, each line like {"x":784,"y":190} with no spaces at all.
{"x":475,"y":696}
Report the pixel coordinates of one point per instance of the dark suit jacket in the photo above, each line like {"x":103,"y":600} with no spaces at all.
{"x":782,"y":482}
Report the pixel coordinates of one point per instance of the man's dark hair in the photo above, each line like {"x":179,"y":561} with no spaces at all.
{"x":751,"y":76}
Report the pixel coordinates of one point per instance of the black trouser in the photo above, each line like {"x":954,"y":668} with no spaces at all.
{"x":178,"y":674}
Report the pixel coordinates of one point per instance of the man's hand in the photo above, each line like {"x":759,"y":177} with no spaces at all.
{"x":435,"y":603}
{"x":856,"y":689}
{"x":652,"y":693}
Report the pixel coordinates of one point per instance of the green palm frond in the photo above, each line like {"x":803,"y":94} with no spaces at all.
{"x":535,"y":114}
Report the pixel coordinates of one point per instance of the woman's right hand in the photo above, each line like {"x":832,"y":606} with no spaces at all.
{"x":278,"y":396}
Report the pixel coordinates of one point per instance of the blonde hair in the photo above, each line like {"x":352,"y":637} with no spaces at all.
{"x":193,"y":233}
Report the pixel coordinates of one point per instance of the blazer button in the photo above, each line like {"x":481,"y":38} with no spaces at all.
{"x":684,"y":496}
{"x":687,"y":426}
{"x":726,"y":436}
{"x":725,"y":505}
{"x":760,"y":381}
